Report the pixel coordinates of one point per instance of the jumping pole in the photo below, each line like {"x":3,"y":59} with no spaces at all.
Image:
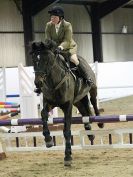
{"x":75,"y":120}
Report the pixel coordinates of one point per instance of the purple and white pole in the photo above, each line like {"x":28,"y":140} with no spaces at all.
{"x":75,"y":120}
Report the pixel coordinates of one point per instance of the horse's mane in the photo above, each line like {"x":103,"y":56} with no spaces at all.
{"x":49,"y":47}
{"x":43,"y":46}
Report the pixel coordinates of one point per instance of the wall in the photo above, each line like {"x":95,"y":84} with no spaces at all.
{"x":82,"y":24}
{"x":11,"y":35}
{"x":116,"y":47}
{"x":114,"y":80}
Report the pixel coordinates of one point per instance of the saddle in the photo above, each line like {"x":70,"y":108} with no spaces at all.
{"x":71,"y":67}
{"x":82,"y":71}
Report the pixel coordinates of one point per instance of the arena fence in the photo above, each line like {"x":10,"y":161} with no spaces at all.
{"x":34,"y":141}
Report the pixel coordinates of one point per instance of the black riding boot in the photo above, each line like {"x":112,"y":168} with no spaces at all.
{"x":84,"y":72}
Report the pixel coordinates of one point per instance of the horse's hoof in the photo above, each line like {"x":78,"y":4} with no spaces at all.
{"x":67,"y":163}
{"x":91,"y":137}
{"x":49,"y":144}
{"x":100,"y":125}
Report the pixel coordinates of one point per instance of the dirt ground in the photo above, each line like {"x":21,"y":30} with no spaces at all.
{"x":90,"y":163}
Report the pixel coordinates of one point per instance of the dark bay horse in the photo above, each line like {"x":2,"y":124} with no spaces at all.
{"x":61,"y":89}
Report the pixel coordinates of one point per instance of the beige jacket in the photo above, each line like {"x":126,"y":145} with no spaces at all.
{"x":64,"y":37}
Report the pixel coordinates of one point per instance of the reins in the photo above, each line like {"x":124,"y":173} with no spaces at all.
{"x":62,"y":81}
{"x":64,"y":78}
{"x":44,"y":75}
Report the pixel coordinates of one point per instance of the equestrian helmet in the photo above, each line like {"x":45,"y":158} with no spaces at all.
{"x":57,"y":11}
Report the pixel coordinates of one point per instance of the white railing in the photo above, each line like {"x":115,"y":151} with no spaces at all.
{"x":34,"y":141}
{"x":2,"y":85}
{"x":28,"y":99}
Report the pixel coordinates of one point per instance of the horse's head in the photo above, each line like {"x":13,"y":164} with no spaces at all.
{"x":43,"y":58}
{"x":41,"y":52}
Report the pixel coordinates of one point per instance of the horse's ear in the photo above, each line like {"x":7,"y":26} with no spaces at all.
{"x":33,"y":46}
{"x":42,"y":45}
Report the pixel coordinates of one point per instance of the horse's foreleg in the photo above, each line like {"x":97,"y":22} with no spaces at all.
{"x":67,"y":133}
{"x":46,"y":133}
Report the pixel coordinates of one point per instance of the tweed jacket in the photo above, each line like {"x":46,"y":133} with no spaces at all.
{"x":64,"y":37}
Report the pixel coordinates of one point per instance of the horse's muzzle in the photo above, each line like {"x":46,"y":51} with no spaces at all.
{"x":39,"y":81}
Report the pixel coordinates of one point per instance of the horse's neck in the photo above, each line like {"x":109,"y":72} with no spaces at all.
{"x":57,"y":72}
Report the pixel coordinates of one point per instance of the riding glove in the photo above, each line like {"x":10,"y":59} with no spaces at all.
{"x":58,"y":50}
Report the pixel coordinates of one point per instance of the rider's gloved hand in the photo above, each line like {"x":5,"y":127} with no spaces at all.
{"x":58,"y":50}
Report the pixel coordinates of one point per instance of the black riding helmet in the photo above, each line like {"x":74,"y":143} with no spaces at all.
{"x":57,"y":11}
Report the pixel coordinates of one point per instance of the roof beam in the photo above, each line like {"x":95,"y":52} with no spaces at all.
{"x":76,"y":2}
{"x":28,"y":35}
{"x":110,"y":5}
{"x":128,"y":6}
{"x":18,"y":5}
{"x":39,"y":5}
{"x":96,"y":33}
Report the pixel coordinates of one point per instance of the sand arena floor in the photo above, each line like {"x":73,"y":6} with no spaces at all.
{"x":90,"y":163}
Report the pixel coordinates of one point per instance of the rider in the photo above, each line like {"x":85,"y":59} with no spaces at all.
{"x":60,"y":31}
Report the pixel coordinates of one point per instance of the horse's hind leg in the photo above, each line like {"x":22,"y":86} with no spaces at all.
{"x":46,"y":132}
{"x":93,"y":99}
{"x":84,"y":108}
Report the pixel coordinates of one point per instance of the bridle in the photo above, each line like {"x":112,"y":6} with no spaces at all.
{"x":44,"y":75}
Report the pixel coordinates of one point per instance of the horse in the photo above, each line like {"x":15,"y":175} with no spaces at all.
{"x":61,"y":89}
